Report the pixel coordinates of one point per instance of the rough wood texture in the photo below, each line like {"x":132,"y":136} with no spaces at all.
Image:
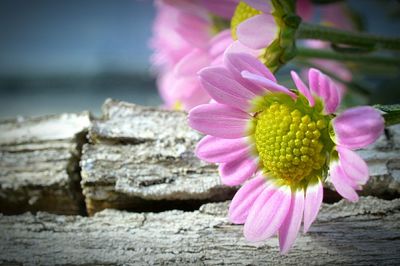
{"x":138,"y":154}
{"x":39,"y":167}
{"x":364,"y":233}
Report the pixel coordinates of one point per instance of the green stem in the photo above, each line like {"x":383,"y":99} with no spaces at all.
{"x":311,"y":31}
{"x":358,"y":58}
{"x":392,"y":113}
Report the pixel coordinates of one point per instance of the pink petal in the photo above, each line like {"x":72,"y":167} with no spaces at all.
{"x":353,"y":165}
{"x":217,"y":150}
{"x":267,"y":213}
{"x":358,"y":127}
{"x":257,"y":32}
{"x":189,"y":92}
{"x":290,"y":227}
{"x":223,"y":88}
{"x":237,"y":62}
{"x":219,"y":120}
{"x":218,"y":45}
{"x":313,"y":201}
{"x":322,"y":86}
{"x":192,"y":63}
{"x":236,"y":172}
{"x":193,"y":28}
{"x":302,"y":88}
{"x":237,"y":47}
{"x":222,"y":8}
{"x":244,"y":199}
{"x":342,"y":183}
{"x":305,"y":9}
{"x":261,"y":5}
{"x":266,"y":83}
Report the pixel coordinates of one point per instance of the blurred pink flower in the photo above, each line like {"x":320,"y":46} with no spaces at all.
{"x":279,"y":143}
{"x":183,"y":43}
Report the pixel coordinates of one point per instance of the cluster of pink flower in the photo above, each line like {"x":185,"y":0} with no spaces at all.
{"x":277,"y":143}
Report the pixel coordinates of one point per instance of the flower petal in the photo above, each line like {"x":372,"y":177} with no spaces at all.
{"x":217,"y":150}
{"x":236,"y":172}
{"x":266,"y":83}
{"x":302,"y":88}
{"x":325,"y":88}
{"x":353,"y":165}
{"x":290,"y":227}
{"x":358,"y":127}
{"x":192,"y":63}
{"x":245,"y":198}
{"x":222,"y":8}
{"x":261,"y":5}
{"x":219,"y":120}
{"x":342,"y":183}
{"x":267,"y":213}
{"x":237,"y":62}
{"x":257,"y":32}
{"x":223,"y":88}
{"x":313,"y":201}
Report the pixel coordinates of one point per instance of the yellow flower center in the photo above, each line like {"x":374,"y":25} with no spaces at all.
{"x":290,"y":140}
{"x":242,"y":12}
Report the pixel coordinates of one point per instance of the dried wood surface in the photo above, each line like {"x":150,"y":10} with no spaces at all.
{"x":139,"y":153}
{"x":39,"y":163}
{"x":364,"y":233}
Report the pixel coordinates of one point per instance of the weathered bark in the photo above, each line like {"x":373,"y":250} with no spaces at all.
{"x":39,"y":166}
{"x":139,"y":153}
{"x":364,"y":233}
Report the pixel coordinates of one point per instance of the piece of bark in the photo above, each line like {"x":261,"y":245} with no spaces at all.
{"x":363,"y":233}
{"x":137,"y":154}
{"x":39,"y":166}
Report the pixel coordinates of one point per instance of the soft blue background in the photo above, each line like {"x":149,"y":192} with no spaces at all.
{"x":69,"y":55}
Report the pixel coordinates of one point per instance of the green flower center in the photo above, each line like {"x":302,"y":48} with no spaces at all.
{"x":242,"y":12}
{"x":290,"y":140}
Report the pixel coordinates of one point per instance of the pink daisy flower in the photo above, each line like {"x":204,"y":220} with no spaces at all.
{"x":280,"y":144}
{"x":183,"y":43}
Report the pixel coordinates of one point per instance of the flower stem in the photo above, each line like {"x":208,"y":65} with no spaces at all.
{"x":311,"y":31}
{"x":392,"y":113}
{"x":359,"y":58}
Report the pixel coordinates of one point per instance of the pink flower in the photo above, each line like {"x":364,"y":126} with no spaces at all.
{"x":279,"y":144}
{"x":183,"y":44}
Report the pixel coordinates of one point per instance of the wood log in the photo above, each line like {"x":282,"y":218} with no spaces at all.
{"x":363,"y":233}
{"x":140,"y":155}
{"x":39,"y":166}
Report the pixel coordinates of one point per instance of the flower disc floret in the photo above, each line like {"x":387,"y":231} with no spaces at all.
{"x":289,"y":141}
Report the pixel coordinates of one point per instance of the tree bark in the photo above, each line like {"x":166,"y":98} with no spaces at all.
{"x":363,"y":233}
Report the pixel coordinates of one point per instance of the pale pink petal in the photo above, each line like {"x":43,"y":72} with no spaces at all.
{"x":323,"y":87}
{"x":217,"y":150}
{"x":262,"y":5}
{"x":193,"y":28}
{"x":342,"y":183}
{"x":302,"y":88}
{"x":218,"y":45}
{"x":192,"y":63}
{"x":244,"y":199}
{"x":237,"y":62}
{"x":358,"y":127}
{"x":266,"y":83}
{"x":223,"y":88}
{"x":353,"y":165}
{"x":236,"y":172}
{"x":290,"y":227}
{"x":267,"y":213}
{"x":237,"y":47}
{"x":313,"y":201}
{"x":188,"y":91}
{"x":219,"y":120}
{"x":222,"y":8}
{"x":257,"y":32}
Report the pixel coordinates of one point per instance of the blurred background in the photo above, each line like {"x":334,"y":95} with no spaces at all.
{"x":70,"y":55}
